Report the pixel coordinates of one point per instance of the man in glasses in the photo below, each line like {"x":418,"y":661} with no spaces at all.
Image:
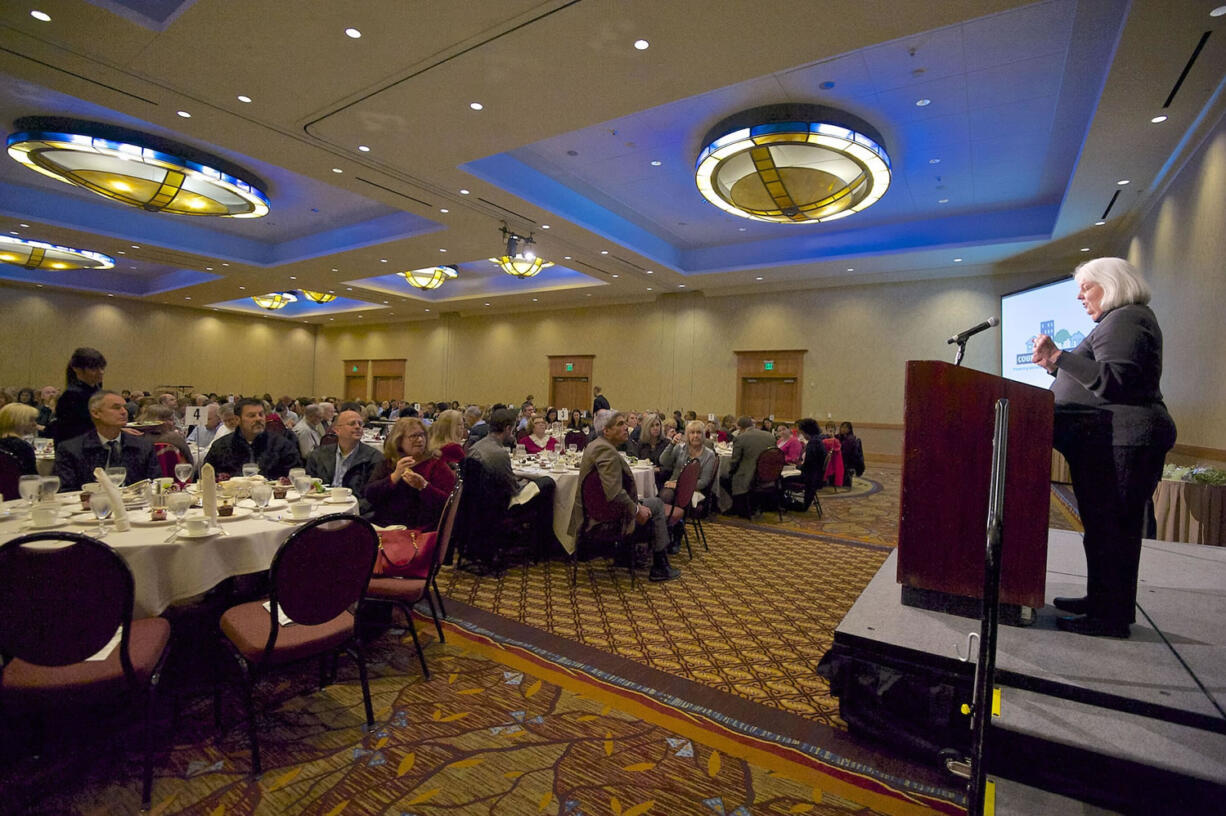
{"x":349,"y":462}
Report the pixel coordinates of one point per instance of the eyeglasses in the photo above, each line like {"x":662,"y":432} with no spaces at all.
{"x":416,"y":435}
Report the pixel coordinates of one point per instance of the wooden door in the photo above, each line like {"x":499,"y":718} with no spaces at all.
{"x":387,"y":379}
{"x":570,"y":380}
{"x":770,"y":383}
{"x":756,"y":396}
{"x":356,"y":375}
{"x":785,"y":399}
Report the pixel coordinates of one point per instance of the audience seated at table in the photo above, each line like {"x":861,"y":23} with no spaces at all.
{"x":410,"y":484}
{"x":202,"y":435}
{"x":620,"y":491}
{"x":812,"y":464}
{"x":651,"y":445}
{"x":18,"y":420}
{"x":503,"y":485}
{"x":789,"y":442}
{"x":478,"y":427}
{"x":447,"y":436}
{"x":691,"y":445}
{"x":746,"y":447}
{"x":853,"y":453}
{"x":347,"y":463}
{"x":252,"y":443}
{"x":164,"y":432}
{"x":105,"y":445}
{"x":540,"y":439}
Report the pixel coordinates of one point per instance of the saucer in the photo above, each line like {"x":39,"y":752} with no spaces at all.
{"x":205,"y":534}
{"x":59,"y":522}
{"x":346,"y":500}
{"x":239,"y":513}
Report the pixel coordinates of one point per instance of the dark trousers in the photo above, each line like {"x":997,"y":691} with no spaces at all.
{"x":1113,"y":484}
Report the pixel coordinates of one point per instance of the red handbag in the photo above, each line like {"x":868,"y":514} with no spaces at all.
{"x":405,"y":553}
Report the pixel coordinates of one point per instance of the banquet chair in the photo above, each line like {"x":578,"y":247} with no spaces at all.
{"x":486,"y":532}
{"x":606,"y":526}
{"x":768,"y":477}
{"x":317,"y":575}
{"x":327,"y":439}
{"x":833,"y":474}
{"x":168,"y":456}
{"x":10,"y":475}
{"x":576,"y":438}
{"x":404,"y":592}
{"x":683,"y":496}
{"x":58,"y":607}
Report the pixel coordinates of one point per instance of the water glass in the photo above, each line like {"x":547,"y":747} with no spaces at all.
{"x":100,"y":503}
{"x":178,"y":504}
{"x":303,"y":485}
{"x":572,"y":448}
{"x":118,"y":475}
{"x":260,"y":494}
{"x":183,"y":473}
{"x":294,"y":473}
{"x":29,"y":487}
{"x":251,"y":469}
{"x":521,"y":452}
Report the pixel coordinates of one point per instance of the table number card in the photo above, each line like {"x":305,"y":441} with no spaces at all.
{"x":710,"y":417}
{"x":195,"y":415}
{"x":563,"y":414}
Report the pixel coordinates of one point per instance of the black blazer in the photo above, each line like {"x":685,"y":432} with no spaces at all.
{"x":271,"y":451}
{"x":76,"y":459}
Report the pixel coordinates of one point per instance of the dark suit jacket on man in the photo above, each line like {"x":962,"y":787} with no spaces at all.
{"x":615,"y":478}
{"x":322,"y":465}
{"x":476,"y":433}
{"x":76,"y":459}
{"x":601,"y":403}
{"x":748,"y":445}
{"x":273,"y":452}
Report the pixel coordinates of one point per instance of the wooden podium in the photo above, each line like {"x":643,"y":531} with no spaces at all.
{"x":947,"y":455}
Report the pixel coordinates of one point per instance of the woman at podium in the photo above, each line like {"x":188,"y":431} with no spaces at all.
{"x":1114,"y":430}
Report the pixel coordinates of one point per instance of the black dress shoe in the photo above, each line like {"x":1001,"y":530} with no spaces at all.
{"x":1074,"y":606}
{"x":1094,"y":627}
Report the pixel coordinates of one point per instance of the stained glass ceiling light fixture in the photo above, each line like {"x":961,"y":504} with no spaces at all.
{"x":275,"y":300}
{"x":432,"y":277}
{"x":136,"y":169}
{"x":519,"y":261}
{"x":40,"y":255}
{"x":317,"y":297}
{"x":792,"y":164}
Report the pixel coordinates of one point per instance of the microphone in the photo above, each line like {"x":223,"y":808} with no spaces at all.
{"x":960,"y":337}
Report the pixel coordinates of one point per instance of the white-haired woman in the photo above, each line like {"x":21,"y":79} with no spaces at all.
{"x":1113,"y":428}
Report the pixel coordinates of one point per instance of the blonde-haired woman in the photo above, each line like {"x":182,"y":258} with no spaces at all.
{"x":18,"y":420}
{"x":447,"y":436}
{"x":411,"y":484}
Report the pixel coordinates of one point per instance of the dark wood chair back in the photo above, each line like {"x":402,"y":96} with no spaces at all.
{"x":10,"y":474}
{"x":769,"y":466}
{"x":687,"y":483}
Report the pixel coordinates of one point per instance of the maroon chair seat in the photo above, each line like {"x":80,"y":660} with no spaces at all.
{"x":318,"y":573}
{"x":768,"y":476}
{"x":405,"y":592}
{"x":168,"y":456}
{"x":61,"y":605}
{"x":683,"y":496}
{"x":603,"y":520}
{"x":576,"y":438}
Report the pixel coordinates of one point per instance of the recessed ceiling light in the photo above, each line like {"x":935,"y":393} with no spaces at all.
{"x":427,"y":310}
{"x":386,"y":302}
{"x":544,"y":226}
{"x":615,"y":275}
{"x":648,"y":288}
{"x":136,"y":246}
{"x":656,"y":163}
{"x":1085,"y":249}
{"x":566,"y":257}
{"x":348,"y":288}
{"x":1217,"y":12}
{"x":476,"y":106}
{"x":934,"y":161}
{"x":353,"y":33}
{"x":364,"y":148}
{"x":534,"y":300}
{"x":208,"y":269}
{"x":337,"y":170}
{"x":244,"y":98}
{"x":463,"y":191}
{"x":184,"y":114}
{"x":242,"y":288}
{"x":589,"y":294}
{"x":331,"y":291}
{"x":741,"y":229}
{"x":604,"y":252}
{"x":361,"y":315}
{"x":383,"y":260}
{"x":681,"y":286}
{"x":442,"y":250}
{"x":1099,"y":223}
{"x":187,"y":298}
{"x":649,"y":271}
{"x":334,"y":269}
{"x":443,"y":210}
{"x":957,"y":260}
{"x":109,"y":294}
{"x":24,"y":226}
{"x":1122,"y":182}
{"x":39,"y":285}
{"x":332,"y":318}
{"x":224,"y":264}
{"x":46,"y":18}
{"x":851,"y":269}
{"x":1157,"y":120}
{"x":121,"y":252}
{"x":942,"y":200}
{"x":642,"y":45}
{"x":923,"y":103}
{"x":293,"y":277}
{"x":487,"y":304}
{"x":758,"y":278}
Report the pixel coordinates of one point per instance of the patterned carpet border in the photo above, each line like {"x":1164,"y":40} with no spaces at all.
{"x":774,"y":529}
{"x":889,"y":793}
{"x":855,"y":492}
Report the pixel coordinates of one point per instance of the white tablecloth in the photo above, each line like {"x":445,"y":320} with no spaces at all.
{"x":165,"y":573}
{"x":564,"y":497}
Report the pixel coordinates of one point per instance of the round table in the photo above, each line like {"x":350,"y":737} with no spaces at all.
{"x":165,"y":572}
{"x":567,"y":482}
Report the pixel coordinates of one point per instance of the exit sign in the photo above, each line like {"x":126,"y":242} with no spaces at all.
{"x":355,"y":369}
{"x":768,"y":365}
{"x":570,"y":366}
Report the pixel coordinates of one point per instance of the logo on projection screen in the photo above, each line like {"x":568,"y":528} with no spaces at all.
{"x":1063,"y":338}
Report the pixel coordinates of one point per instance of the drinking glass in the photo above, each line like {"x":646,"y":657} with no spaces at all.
{"x":183,"y":473}
{"x":260,"y":494}
{"x":48,"y":487}
{"x":118,"y":475}
{"x":251,"y":469}
{"x":100,"y":503}
{"x":572,"y":448}
{"x":178,"y":504}
{"x":521,"y":452}
{"x":294,"y":473}
{"x":303,"y":485}
{"x":29,"y":488}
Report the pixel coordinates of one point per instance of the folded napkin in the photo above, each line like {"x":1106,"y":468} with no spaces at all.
{"x":697,"y":499}
{"x":526,"y":494}
{"x":118,"y":511}
{"x":208,"y":493}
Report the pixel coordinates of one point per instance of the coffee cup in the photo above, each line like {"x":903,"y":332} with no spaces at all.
{"x":44,"y":515}
{"x":339,"y":493}
{"x":196,"y":526}
{"x":300,"y":510}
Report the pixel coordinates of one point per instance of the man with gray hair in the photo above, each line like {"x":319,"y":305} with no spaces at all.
{"x":202,"y":435}
{"x":477,"y":426}
{"x":105,"y":445}
{"x":309,"y":429}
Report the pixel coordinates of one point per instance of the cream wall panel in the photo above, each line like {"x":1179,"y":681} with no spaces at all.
{"x":1180,"y":246}
{"x":149,"y":345}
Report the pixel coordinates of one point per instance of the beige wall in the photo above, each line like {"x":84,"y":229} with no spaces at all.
{"x":678,"y":352}
{"x":1180,"y":245}
{"x":149,"y":345}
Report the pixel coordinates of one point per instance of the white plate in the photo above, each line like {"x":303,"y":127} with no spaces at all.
{"x":205,"y":534}
{"x":55,"y":525}
{"x":347,"y":500}
{"x":286,"y":518}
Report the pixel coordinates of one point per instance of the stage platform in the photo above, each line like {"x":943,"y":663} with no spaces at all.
{"x":1122,"y":724}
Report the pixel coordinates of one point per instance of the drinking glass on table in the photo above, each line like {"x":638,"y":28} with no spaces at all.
{"x":118,"y":475}
{"x":29,"y":487}
{"x":48,"y":487}
{"x":183,"y":473}
{"x":303,"y":485}
{"x":521,"y":453}
{"x":100,"y":503}
{"x":178,"y":504}
{"x":251,"y":469}
{"x":294,"y":473}
{"x":572,"y":448}
{"x":261,"y":494}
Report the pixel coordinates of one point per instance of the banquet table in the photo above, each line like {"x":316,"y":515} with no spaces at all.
{"x":167,"y":572}
{"x":1191,"y":511}
{"x":567,"y":482}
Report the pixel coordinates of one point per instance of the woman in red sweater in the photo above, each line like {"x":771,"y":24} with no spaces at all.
{"x":410,"y":485}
